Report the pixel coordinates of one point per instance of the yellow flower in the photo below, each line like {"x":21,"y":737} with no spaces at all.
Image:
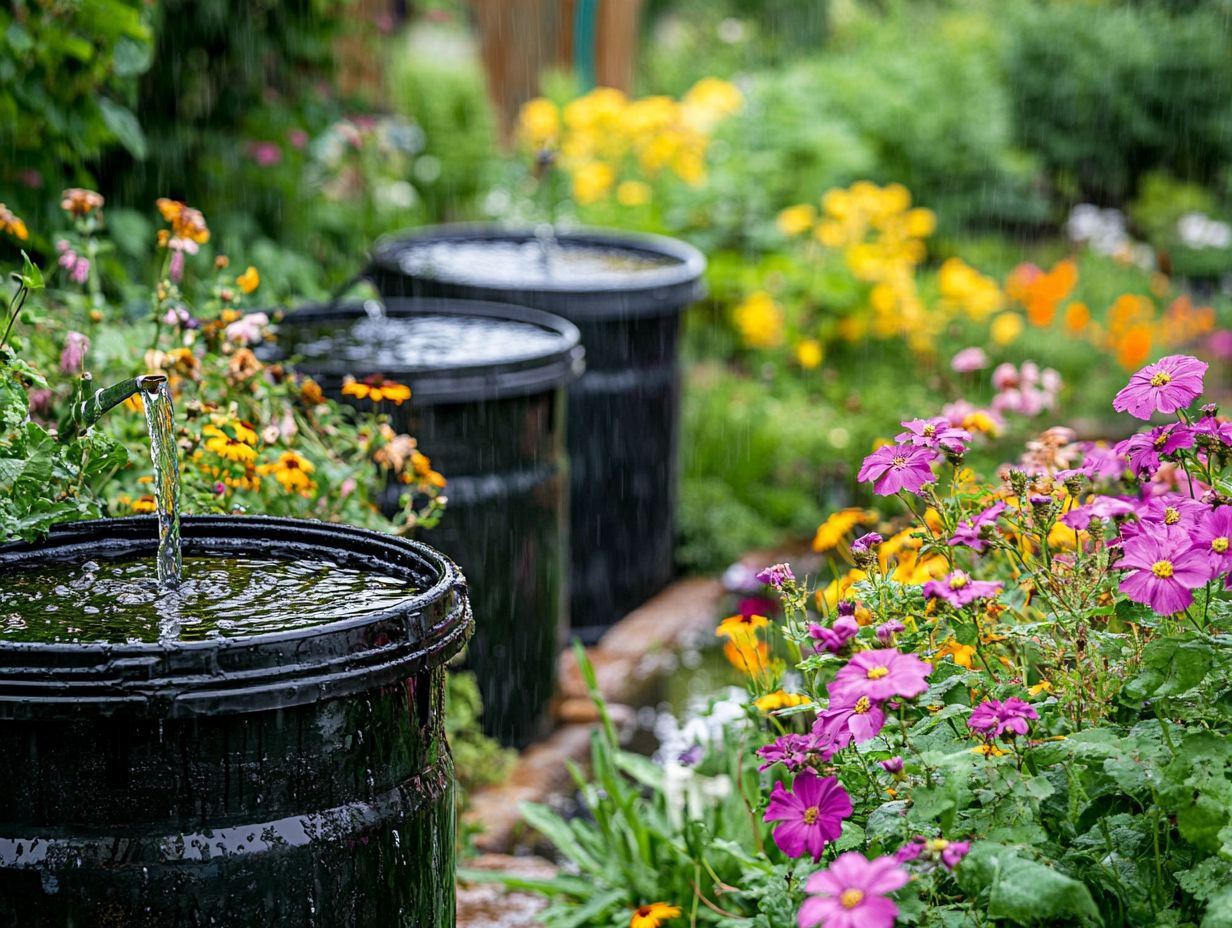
{"x":809,"y":353}
{"x":291,"y":470}
{"x":249,"y":280}
{"x":187,"y":225}
{"x":751,"y":657}
{"x":780,"y":699}
{"x":11,"y":224}
{"x":1006,"y":328}
{"x":759,"y":320}
{"x":989,"y":750}
{"x":377,"y":389}
{"x":796,"y":220}
{"x":828,"y":598}
{"x":310,"y":392}
{"x":144,"y":504}
{"x":592,"y":181}
{"x":653,"y":915}
{"x":1042,"y":687}
{"x":539,"y":123}
{"x":741,"y":628}
{"x":980,"y":421}
{"x":227,"y":447}
{"x":708,"y":102}
{"x":921,"y":223}
{"x":633,"y":193}
{"x":963,"y":654}
{"x":835,"y":529}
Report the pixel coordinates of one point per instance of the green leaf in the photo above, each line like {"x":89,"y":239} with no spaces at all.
{"x":132,"y":57}
{"x":1219,"y":911}
{"x":124,"y":126}
{"x":557,"y":830}
{"x":1024,"y":891}
{"x":1171,"y":666}
{"x":31,"y":277}
{"x":642,"y":769}
{"x":18,"y":38}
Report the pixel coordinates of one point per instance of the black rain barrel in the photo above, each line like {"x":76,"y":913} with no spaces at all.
{"x":626,"y":294}
{"x":293,"y":778}
{"x":488,"y":393}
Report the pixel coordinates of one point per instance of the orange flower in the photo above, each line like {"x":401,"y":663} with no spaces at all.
{"x":249,"y":280}
{"x":79,"y":202}
{"x":653,"y":915}
{"x":741,"y":628}
{"x":12,"y":225}
{"x":310,"y":392}
{"x":1134,"y":347}
{"x":750,"y":658}
{"x":188,"y":228}
{"x":377,"y":389}
{"x":1077,"y":318}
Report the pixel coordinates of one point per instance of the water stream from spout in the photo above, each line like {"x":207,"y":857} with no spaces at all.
{"x":156,"y":397}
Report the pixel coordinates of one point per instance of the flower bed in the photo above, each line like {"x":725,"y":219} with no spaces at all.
{"x":1028,"y":725}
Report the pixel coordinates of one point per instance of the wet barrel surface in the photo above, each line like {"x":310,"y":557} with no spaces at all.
{"x":625,"y":294}
{"x":292,"y":778}
{"x":488,"y":395}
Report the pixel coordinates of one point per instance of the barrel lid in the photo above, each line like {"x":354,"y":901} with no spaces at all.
{"x":222,"y":676}
{"x":580,"y":274}
{"x":445,"y":350}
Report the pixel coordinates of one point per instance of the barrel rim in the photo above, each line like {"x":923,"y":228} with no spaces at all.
{"x":519,"y":374}
{"x":619,"y":295}
{"x":246,"y":673}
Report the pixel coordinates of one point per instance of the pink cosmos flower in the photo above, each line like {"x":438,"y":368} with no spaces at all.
{"x":887,"y":630}
{"x":853,"y":893}
{"x":879,"y":675}
{"x":838,"y":726}
{"x":1173,"y":509}
{"x":1102,"y":507}
{"x":892,"y":764}
{"x":795,"y":752}
{"x":994,"y":719}
{"x":247,"y":330}
{"x":811,"y":813}
{"x":834,"y":639}
{"x":1163,"y":566}
{"x":969,"y":360}
{"x":1102,"y":461}
{"x":1169,"y":384}
{"x":1210,"y":432}
{"x":970,"y":532}
{"x":73,"y":356}
{"x":1146,"y":449}
{"x":898,"y":467}
{"x":934,"y":433}
{"x":1213,"y":535}
{"x":934,"y":850}
{"x":958,"y":589}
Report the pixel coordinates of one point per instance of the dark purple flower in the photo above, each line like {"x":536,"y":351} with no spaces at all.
{"x":1169,"y":384}
{"x":993,"y":718}
{"x":958,"y":589}
{"x":970,"y":532}
{"x":776,"y":575}
{"x":834,"y":639}
{"x":811,"y":813}
{"x":892,"y":468}
{"x":892,"y":764}
{"x":846,"y":607}
{"x":880,"y":675}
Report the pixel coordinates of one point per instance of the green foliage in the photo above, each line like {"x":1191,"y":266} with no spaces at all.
{"x":478,"y":760}
{"x":1107,"y":92}
{"x":437,"y":82}
{"x":68,"y":81}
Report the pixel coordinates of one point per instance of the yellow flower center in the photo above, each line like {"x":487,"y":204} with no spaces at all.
{"x":1161,"y":441}
{"x":937,"y":845}
{"x":1161,"y":379}
{"x":876,"y":673}
{"x":929,"y":430}
{"x":862,"y":704}
{"x":851,"y":898}
{"x":958,"y":581}
{"x":1219,"y":545}
{"x":1162,"y":569}
{"x":1171,"y":516}
{"x":810,"y":815}
{"x":899,"y":461}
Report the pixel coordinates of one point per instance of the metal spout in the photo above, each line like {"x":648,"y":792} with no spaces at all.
{"x":88,"y":405}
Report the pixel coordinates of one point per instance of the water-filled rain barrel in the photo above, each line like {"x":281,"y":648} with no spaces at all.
{"x":288,"y":772}
{"x":625,"y":293}
{"x":488,"y":394}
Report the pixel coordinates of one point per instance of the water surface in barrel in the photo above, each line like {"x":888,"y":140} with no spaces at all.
{"x":531,"y":263}
{"x":224,"y":596}
{"x":424,"y":342}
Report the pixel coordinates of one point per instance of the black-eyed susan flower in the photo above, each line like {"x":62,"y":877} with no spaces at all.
{"x":377,"y":389}
{"x":653,"y":915}
{"x":292,"y":470}
{"x":231,"y":447}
